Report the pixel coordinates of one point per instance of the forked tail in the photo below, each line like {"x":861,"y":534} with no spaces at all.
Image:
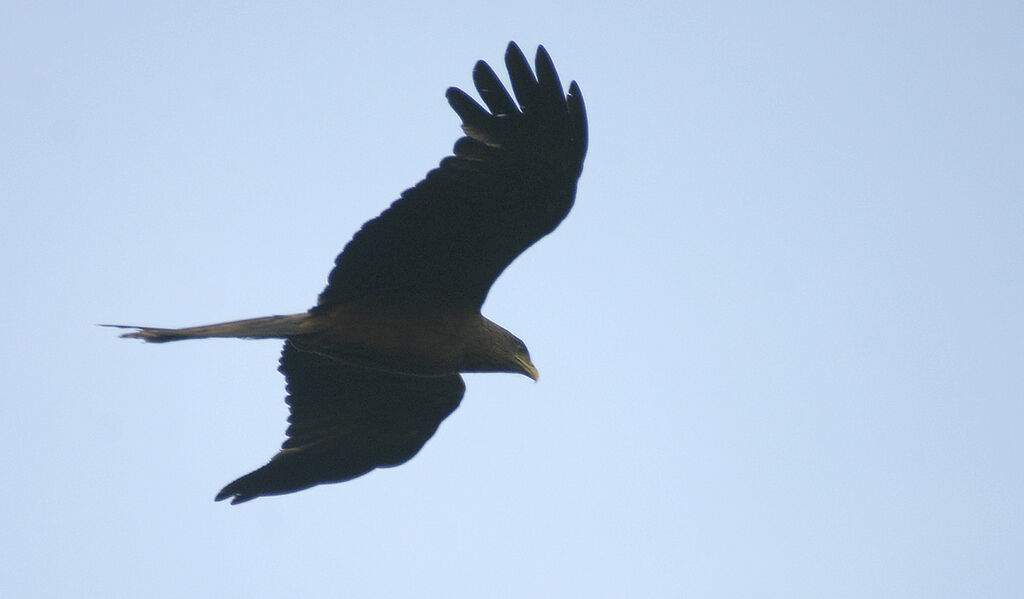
{"x":268,"y":327}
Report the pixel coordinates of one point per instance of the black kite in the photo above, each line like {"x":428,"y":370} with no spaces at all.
{"x":373,"y":368}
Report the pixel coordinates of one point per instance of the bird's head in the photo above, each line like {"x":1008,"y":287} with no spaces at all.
{"x":493,"y":349}
{"x":520,"y":360}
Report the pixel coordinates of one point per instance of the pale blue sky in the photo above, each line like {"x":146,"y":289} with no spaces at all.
{"x":780,"y":336}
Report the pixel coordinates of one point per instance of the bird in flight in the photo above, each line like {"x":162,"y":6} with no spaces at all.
{"x":373,"y":368}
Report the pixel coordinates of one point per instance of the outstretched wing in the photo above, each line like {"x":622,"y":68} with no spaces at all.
{"x":346,"y":421}
{"x":511,"y":180}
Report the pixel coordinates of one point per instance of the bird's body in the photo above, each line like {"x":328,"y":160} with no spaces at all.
{"x":373,"y":368}
{"x":416,"y":340}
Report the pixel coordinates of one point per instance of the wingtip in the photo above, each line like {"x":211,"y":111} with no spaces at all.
{"x":514,"y":54}
{"x":542,"y":54}
{"x":235,"y":496}
{"x":240,"y":490}
{"x":578,"y":119}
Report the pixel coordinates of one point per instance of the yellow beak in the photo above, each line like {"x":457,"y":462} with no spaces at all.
{"x":527,"y":367}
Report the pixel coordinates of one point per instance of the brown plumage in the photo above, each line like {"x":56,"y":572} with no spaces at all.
{"x":373,"y":368}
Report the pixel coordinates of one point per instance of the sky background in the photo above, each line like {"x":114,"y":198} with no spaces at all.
{"x":780,"y":336}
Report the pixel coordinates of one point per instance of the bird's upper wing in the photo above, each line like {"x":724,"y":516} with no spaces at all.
{"x":346,"y":421}
{"x":511,"y":180}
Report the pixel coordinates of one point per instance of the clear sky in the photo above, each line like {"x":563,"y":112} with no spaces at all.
{"x":780,"y":336}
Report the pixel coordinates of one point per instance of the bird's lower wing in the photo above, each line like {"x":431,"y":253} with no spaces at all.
{"x":346,"y":421}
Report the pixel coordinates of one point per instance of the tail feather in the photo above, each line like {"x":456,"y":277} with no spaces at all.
{"x":268,"y":327}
